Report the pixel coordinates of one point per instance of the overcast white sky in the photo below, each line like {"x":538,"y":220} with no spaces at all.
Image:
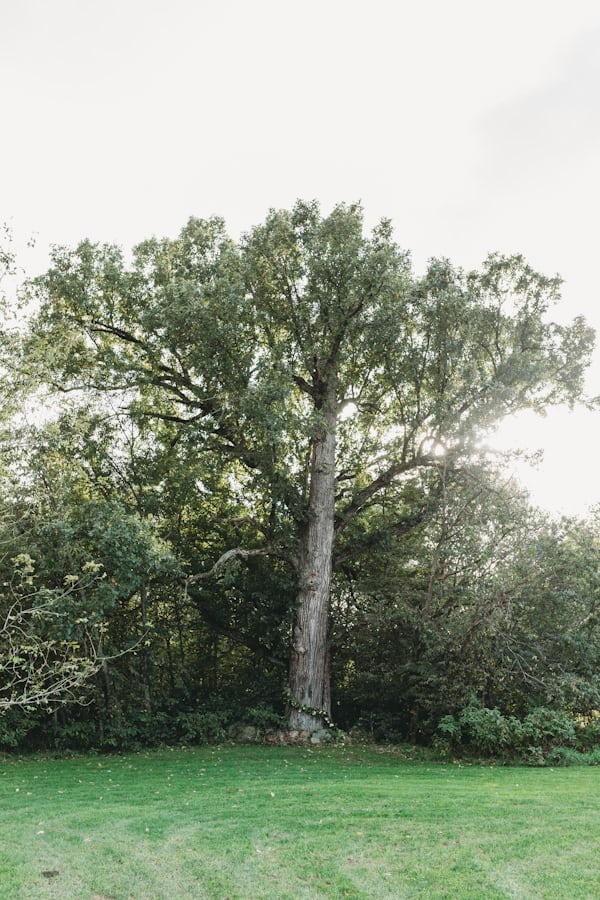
{"x":474,"y":126}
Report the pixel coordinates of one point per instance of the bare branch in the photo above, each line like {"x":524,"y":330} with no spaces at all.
{"x":234,"y":553}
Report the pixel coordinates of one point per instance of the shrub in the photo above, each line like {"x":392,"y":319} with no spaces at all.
{"x":563,"y":756}
{"x":263,"y":717}
{"x":588,"y":733}
{"x":382,"y":727}
{"x":201,"y":727}
{"x":549,"y":727}
{"x":14,"y":727}
{"x":491,"y":733}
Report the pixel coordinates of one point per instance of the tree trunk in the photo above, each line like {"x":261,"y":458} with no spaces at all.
{"x":309,"y":674}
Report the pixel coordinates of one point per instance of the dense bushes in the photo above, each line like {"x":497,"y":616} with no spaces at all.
{"x":170,"y":725}
{"x":543,"y":736}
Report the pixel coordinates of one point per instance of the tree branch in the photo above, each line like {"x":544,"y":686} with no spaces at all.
{"x":234,"y":553}
{"x":362,"y":497}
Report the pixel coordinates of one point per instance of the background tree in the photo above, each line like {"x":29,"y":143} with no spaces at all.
{"x":41,"y":657}
{"x":417,"y":616}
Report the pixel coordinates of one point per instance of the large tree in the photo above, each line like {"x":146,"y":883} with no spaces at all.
{"x":309,"y":367}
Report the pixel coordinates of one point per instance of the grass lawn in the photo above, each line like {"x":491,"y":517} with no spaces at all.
{"x":253,"y":822}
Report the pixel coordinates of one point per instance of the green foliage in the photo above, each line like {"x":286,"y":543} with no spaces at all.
{"x":201,"y":727}
{"x":15,"y":725}
{"x":483,"y":597}
{"x":588,"y":731}
{"x":263,"y":717}
{"x":48,"y":648}
{"x":543,"y":737}
{"x":487,"y":731}
{"x":201,"y":373}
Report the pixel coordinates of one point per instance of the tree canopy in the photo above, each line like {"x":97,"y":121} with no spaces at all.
{"x":299,"y":418}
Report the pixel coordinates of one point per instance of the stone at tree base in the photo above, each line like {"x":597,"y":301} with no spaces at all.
{"x":293,"y":736}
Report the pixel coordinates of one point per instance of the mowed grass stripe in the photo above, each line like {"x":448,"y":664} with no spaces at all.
{"x":270,"y":822}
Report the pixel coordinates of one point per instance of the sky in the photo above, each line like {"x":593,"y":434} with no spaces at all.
{"x":473,"y":126}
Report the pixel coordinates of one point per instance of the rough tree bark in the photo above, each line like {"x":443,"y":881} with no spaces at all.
{"x":308,"y":674}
